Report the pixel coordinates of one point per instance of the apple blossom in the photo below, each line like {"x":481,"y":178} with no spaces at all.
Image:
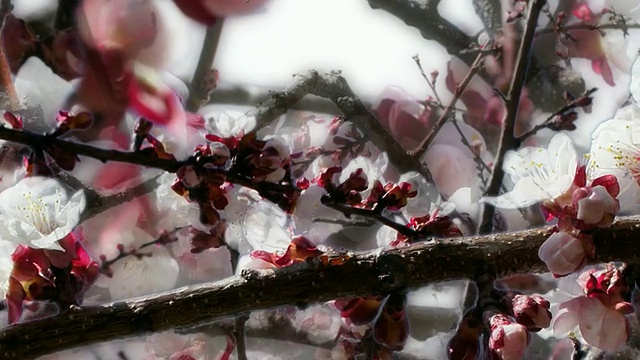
{"x":252,"y":224}
{"x":634,"y":86}
{"x":615,"y":150}
{"x":36,"y":211}
{"x":564,"y":253}
{"x":228,"y":123}
{"x":6,"y":248}
{"x":538,"y":173}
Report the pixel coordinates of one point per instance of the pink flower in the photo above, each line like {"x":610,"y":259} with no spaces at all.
{"x":531,"y":311}
{"x":602,"y":327}
{"x":600,"y":314}
{"x":509,"y":340}
{"x":595,"y":206}
{"x":407,"y":120}
{"x":564,"y":253}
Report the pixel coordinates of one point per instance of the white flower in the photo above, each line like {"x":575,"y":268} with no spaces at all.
{"x":254,"y":224}
{"x":427,"y":195}
{"x":373,"y":168}
{"x":615,"y":149}
{"x":228,"y":123}
{"x":133,"y":276}
{"x":538,"y":173}
{"x":175,"y":211}
{"x":37,"y":212}
{"x":310,"y":209}
{"x":6,"y":265}
{"x":634,"y":86}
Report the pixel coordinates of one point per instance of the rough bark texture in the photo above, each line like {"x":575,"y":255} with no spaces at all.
{"x":304,"y":283}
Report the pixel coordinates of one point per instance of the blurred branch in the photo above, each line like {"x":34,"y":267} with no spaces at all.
{"x":490,"y":12}
{"x":448,"y":111}
{"x":65,"y":14}
{"x":508,"y":140}
{"x":198,"y":90}
{"x":8,"y":94}
{"x":334,"y":87}
{"x":369,"y":273}
{"x":432,"y":26}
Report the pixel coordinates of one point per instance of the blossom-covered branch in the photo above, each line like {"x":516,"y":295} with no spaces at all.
{"x":312,"y":281}
{"x":333,"y":86}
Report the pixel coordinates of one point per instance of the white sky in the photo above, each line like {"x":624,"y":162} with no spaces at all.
{"x":371,"y":47}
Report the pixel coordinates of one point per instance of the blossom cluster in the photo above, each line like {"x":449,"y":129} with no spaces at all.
{"x":241,"y":194}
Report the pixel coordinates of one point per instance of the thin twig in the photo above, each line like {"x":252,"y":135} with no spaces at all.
{"x":508,"y":141}
{"x":199,"y":94}
{"x":348,"y":211}
{"x":598,"y":27}
{"x":547,"y":122}
{"x":240,"y":336}
{"x":431,"y":84}
{"x":424,"y":145}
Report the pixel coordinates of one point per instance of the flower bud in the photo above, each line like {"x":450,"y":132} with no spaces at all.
{"x":509,"y":340}
{"x":531,"y":311}
{"x":595,"y":206}
{"x":563,"y":253}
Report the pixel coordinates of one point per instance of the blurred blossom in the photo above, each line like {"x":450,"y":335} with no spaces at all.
{"x":154,"y":271}
{"x":254,"y":224}
{"x":600,"y":313}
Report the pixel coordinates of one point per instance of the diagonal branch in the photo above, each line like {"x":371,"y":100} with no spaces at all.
{"x":425,"y":18}
{"x":334,"y":87}
{"x":313,"y":281}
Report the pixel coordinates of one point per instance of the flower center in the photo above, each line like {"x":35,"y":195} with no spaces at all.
{"x":38,"y":213}
{"x":626,"y":157}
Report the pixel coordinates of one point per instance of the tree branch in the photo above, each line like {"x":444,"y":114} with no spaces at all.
{"x":431,"y":25}
{"x":508,"y":140}
{"x":334,"y":87}
{"x":424,"y":145}
{"x":314,"y":281}
{"x":198,"y":91}
{"x":8,"y":94}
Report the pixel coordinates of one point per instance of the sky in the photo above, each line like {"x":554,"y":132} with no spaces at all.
{"x":372,"y":48}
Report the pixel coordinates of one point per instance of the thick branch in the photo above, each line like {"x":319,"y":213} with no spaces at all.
{"x":334,"y":87}
{"x":431,"y":25}
{"x":360,"y":274}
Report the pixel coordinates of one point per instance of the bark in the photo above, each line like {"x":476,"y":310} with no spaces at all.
{"x":361,"y":274}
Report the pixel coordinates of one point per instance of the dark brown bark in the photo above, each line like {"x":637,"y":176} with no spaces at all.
{"x":304,"y":283}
